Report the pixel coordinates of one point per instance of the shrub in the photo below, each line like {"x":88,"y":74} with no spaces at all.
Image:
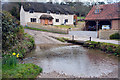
{"x":109,"y":49}
{"x":10,"y":29}
{"x":91,"y":46}
{"x":115,"y":36}
{"x":14,"y":40}
{"x":13,"y":37}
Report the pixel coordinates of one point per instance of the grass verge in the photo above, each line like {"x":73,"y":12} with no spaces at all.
{"x":64,"y":26}
{"x":28,"y":70}
{"x":106,"y":47}
{"x":42,"y":30}
{"x":62,"y":39}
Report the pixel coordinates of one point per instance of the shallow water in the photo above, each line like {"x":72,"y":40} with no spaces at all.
{"x":73,"y":60}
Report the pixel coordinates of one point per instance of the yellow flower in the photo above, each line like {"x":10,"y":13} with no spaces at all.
{"x":13,"y":53}
{"x":17,"y":55}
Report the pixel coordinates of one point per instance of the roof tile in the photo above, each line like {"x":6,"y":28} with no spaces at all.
{"x":110,"y":11}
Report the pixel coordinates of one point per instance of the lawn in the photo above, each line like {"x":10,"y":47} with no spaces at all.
{"x":81,"y":18}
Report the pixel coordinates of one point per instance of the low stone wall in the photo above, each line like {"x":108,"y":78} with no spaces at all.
{"x":105,"y":34}
{"x":48,"y":27}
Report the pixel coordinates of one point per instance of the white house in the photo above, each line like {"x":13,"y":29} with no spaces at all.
{"x":46,"y":13}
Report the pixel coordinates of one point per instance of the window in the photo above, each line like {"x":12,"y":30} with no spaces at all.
{"x":97,"y":11}
{"x":66,"y":20}
{"x":33,"y":19}
{"x":57,"y":12}
{"x":48,"y":12}
{"x":31,"y":11}
{"x":57,"y":20}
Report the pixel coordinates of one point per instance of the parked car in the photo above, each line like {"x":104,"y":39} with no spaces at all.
{"x":91,"y":28}
{"x":105,"y":26}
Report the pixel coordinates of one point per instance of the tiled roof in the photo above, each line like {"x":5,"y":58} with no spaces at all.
{"x":108,"y":12}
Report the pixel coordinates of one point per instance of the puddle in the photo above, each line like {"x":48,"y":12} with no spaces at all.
{"x":73,"y":60}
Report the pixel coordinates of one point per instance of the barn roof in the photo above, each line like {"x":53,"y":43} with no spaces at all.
{"x":44,"y":7}
{"x":108,"y":12}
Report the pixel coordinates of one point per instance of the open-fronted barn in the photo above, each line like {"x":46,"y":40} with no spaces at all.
{"x":108,"y":14}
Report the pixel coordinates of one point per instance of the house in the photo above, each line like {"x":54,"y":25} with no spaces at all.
{"x":46,"y":14}
{"x":108,"y":14}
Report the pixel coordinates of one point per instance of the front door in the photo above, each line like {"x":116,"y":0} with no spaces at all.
{"x":46,"y":22}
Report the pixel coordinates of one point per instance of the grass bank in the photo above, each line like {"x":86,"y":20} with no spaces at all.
{"x":31,"y":28}
{"x":106,"y":47}
{"x":62,"y":39}
{"x":15,"y":45}
{"x":21,"y":71}
{"x":64,"y":26}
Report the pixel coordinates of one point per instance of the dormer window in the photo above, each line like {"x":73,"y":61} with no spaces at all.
{"x":31,"y":11}
{"x":97,"y":11}
{"x":57,"y":12}
{"x":66,"y":13}
{"x":48,"y":12}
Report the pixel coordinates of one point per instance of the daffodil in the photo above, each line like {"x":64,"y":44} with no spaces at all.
{"x":17,"y":55}
{"x":14,"y":53}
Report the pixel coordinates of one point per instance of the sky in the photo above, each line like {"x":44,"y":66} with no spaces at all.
{"x":61,"y":0}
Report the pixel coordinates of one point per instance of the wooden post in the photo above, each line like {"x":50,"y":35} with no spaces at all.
{"x":72,"y":37}
{"x":90,"y":38}
{"x":97,"y":29}
{"x":86,"y":25}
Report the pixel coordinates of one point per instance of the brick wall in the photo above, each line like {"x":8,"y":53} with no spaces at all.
{"x":104,"y":34}
{"x":116,"y":24}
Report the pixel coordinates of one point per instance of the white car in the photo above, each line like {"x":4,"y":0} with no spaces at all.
{"x":105,"y":26}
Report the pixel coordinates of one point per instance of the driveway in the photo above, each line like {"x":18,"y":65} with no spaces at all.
{"x":84,"y":34}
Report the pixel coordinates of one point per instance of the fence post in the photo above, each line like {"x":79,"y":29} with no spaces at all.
{"x":73,"y":37}
{"x":90,"y":38}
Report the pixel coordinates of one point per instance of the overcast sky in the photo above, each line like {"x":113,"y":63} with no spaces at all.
{"x":61,"y":0}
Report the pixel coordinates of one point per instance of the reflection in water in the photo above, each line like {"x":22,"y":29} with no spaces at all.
{"x":74,"y":60}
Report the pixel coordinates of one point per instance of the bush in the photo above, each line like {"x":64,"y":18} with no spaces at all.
{"x":14,"y":40}
{"x":115,"y":36}
{"x":13,"y":37}
{"x":10,"y":30}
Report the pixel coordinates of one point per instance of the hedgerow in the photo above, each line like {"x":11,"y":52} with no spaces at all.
{"x":15,"y":45}
{"x":13,"y":37}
